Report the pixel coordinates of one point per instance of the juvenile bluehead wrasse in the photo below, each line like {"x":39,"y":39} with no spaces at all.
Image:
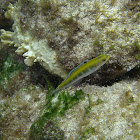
{"x":81,"y":71}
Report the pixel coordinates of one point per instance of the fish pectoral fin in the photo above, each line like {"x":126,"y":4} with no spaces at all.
{"x":77,"y":83}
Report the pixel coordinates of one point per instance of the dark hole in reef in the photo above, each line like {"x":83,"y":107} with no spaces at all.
{"x":38,"y":73}
{"x":107,"y":76}
{"x":100,"y":78}
{"x":134,"y":73}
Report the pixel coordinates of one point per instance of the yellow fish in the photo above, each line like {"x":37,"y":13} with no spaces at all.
{"x":81,"y":71}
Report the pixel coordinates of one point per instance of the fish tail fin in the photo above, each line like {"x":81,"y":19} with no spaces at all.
{"x":55,"y":91}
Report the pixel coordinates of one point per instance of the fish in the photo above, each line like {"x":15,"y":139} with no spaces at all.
{"x":84,"y":69}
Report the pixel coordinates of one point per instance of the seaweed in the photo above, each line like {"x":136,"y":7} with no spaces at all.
{"x":8,"y":69}
{"x":56,"y":106}
{"x":88,"y":109}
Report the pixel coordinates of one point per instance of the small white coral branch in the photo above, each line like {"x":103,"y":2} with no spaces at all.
{"x":6,"y":38}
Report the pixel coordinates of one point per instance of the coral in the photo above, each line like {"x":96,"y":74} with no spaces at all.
{"x":62,"y":34}
{"x":6,"y":38}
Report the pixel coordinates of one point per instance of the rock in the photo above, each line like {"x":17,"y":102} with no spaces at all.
{"x":18,"y":112}
{"x":96,"y":112}
{"x":62,"y":34}
{"x":105,"y":113}
{"x":5,"y":23}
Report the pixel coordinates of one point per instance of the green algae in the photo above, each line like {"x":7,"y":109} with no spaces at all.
{"x":138,"y":15}
{"x":99,"y":101}
{"x":87,"y":133}
{"x":88,"y":109}
{"x":8,"y":69}
{"x":136,"y":45}
{"x":56,"y":106}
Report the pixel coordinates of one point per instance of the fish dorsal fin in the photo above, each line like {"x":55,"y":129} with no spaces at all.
{"x":76,"y":68}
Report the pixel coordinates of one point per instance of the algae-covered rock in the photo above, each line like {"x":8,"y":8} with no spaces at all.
{"x":5,"y":23}
{"x":61,"y":34}
{"x":18,"y":112}
{"x":13,"y":74}
{"x":46,"y":126}
{"x":92,"y":112}
{"x":105,"y":113}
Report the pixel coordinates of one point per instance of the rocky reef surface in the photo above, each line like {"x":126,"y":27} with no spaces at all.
{"x":27,"y":111}
{"x":5,"y":23}
{"x":62,"y":34}
{"x":59,"y":35}
{"x":105,"y":113}
{"x":92,"y":112}
{"x":18,"y":112}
